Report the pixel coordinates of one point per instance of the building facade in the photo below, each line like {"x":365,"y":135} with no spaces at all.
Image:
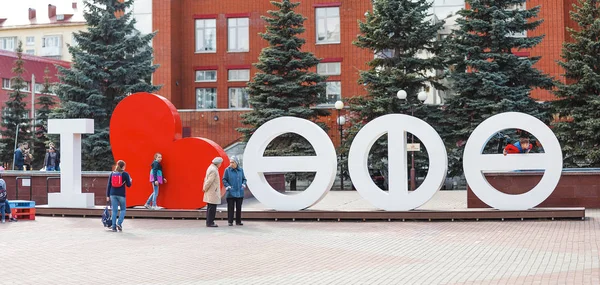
{"x":206,"y":51}
{"x":45,"y":29}
{"x":33,"y":75}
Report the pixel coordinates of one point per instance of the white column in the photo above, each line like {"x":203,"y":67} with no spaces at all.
{"x":70,"y":131}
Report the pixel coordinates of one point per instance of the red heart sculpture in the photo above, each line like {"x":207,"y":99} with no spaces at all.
{"x":144,"y":124}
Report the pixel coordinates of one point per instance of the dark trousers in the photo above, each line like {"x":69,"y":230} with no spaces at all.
{"x":238,"y":209}
{"x":211,"y":212}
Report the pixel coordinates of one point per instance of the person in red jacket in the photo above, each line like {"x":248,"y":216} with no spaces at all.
{"x":522,"y":146}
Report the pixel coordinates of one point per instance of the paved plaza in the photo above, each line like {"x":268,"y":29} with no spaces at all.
{"x":153,"y":251}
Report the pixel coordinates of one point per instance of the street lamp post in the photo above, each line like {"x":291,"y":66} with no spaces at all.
{"x":422,"y":96}
{"x":339,"y":105}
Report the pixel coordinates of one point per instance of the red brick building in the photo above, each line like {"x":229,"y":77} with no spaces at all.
{"x":206,"y":50}
{"x":34,"y":72}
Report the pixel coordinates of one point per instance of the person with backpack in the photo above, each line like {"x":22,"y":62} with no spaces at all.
{"x":115,"y":193}
{"x":156,"y":178}
{"x":4,"y":202}
{"x":235,"y":183}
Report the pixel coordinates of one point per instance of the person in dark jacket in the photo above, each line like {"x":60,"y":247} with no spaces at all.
{"x":57,"y":167}
{"x":235,"y":183}
{"x":157,"y":177}
{"x":51,"y":159}
{"x":116,"y":195}
{"x":20,"y":156}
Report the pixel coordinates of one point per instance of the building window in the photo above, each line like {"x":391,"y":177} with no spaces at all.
{"x":74,"y":41}
{"x":329,"y":68}
{"x":238,"y":38}
{"x":517,"y":7}
{"x":328,"y":25}
{"x":51,"y":41}
{"x":39,"y":87}
{"x":206,"y":35}
{"x":239,"y":75}
{"x":206,"y":75}
{"x":238,"y":98}
{"x":5,"y":83}
{"x":333,"y":92}
{"x":30,"y":41}
{"x":386,"y":53}
{"x":206,"y":98}
{"x":7,"y":43}
{"x":9,"y":83}
{"x":30,"y":51}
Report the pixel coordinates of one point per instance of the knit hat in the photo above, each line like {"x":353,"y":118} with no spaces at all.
{"x":217,"y":160}
{"x":235,"y":159}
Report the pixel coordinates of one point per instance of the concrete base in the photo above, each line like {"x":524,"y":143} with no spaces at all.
{"x":79,"y":200}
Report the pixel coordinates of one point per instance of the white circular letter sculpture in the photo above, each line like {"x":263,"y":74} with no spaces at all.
{"x":474,"y":162}
{"x":398,"y":198}
{"x":256,"y":164}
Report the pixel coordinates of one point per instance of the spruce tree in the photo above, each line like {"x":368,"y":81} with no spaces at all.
{"x":46,"y":103}
{"x":112,"y":60}
{"x":285,"y":85}
{"x":488,"y":78}
{"x":15,"y":112}
{"x":405,"y":41}
{"x":578,"y":129}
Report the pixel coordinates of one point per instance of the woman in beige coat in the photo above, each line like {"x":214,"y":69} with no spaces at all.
{"x":212,"y":191}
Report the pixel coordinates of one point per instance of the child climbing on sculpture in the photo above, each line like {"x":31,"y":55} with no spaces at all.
{"x":156,"y":179}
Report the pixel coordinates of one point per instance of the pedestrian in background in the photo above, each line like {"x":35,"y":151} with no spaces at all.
{"x":19,"y":158}
{"x":235,"y":183}
{"x":57,"y":166}
{"x":27,"y":158}
{"x":115,"y":193}
{"x":156,"y":178}
{"x":51,"y":159}
{"x":212,"y":191}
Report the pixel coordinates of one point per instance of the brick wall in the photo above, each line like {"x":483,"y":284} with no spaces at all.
{"x":574,"y":189}
{"x":92,"y":182}
{"x":175,"y":45}
{"x":220,"y":126}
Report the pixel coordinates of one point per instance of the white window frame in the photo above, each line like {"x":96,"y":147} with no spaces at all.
{"x":236,"y":27}
{"x":39,"y":87}
{"x":55,"y":40}
{"x":6,"y":83}
{"x":30,"y":51}
{"x":233,"y":90}
{"x":329,"y":68}
{"x":327,"y":104}
{"x":521,"y":6}
{"x":29,"y":41}
{"x":204,"y":72}
{"x":328,"y":14}
{"x":237,"y":75}
{"x":200,"y":28}
{"x":8,"y":43}
{"x":204,"y":98}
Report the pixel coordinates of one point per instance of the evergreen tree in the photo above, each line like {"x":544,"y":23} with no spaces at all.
{"x":284,"y":85}
{"x":578,"y":130}
{"x":112,"y":60}
{"x":46,"y":103}
{"x":407,"y":50}
{"x":15,"y":112}
{"x":488,"y":78}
